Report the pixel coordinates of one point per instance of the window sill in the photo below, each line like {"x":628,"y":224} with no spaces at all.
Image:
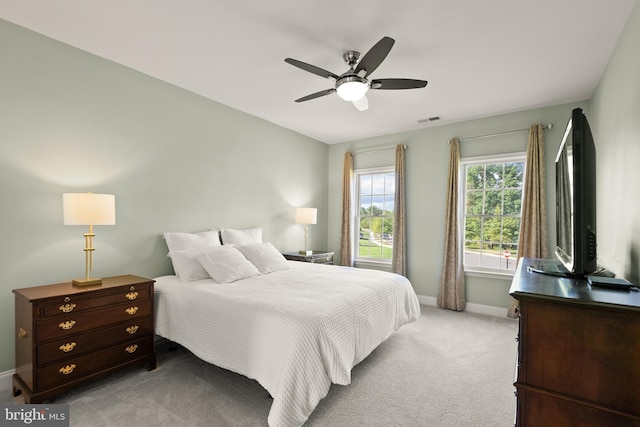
{"x":507,"y":275}
{"x":375,"y":265}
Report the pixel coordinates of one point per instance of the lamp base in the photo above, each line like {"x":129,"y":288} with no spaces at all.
{"x":305,"y":252}
{"x":87,"y":282}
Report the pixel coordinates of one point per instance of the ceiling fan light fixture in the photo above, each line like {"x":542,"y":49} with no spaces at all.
{"x":353,"y":85}
{"x":361,"y":104}
{"x":352,"y":88}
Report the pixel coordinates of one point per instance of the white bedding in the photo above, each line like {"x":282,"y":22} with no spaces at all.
{"x":295,"y":331}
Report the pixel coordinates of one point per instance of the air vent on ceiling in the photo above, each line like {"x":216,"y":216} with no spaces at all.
{"x":429,"y":119}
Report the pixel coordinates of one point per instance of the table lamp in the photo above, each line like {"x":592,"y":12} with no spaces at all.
{"x":88,"y":209}
{"x":306,"y":216}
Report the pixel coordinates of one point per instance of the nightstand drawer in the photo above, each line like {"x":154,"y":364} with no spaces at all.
{"x":74,"y":303}
{"x":75,"y":368}
{"x":73,"y":323}
{"x":322,"y":259}
{"x":90,"y":341}
{"x":316,"y":257}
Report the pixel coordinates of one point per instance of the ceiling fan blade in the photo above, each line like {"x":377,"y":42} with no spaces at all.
{"x":316,"y":95}
{"x":312,"y":69}
{"x":361,"y":104}
{"x":397,"y":84}
{"x":372,"y":59}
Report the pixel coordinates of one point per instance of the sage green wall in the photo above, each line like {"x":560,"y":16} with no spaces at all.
{"x":70,"y":121}
{"x":427,"y":159}
{"x":615,"y":123}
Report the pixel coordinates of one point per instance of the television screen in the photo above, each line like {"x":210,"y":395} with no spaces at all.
{"x":576,"y":198}
{"x":564,"y":197}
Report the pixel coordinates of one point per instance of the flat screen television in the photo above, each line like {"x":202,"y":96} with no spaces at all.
{"x":576,"y":198}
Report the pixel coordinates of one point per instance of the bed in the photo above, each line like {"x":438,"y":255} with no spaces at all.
{"x":295,"y":329}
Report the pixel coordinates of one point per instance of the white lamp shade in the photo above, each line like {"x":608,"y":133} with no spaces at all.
{"x":352,"y":91}
{"x":306,"y":215}
{"x":89,"y":209}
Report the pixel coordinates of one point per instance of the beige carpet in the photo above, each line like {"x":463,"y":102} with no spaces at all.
{"x":446,"y":369}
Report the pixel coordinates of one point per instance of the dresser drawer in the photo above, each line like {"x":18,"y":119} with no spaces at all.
{"x":67,"y":334}
{"x":78,"y":367}
{"x":66,"y":304}
{"x":73,"y":323}
{"x":90,"y":341}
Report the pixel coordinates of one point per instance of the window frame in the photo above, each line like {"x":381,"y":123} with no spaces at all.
{"x":357,"y":259}
{"x":462,"y":186}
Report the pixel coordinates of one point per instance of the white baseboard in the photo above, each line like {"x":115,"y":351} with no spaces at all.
{"x":5,"y":380}
{"x":425,"y":300}
{"x":471,"y":307}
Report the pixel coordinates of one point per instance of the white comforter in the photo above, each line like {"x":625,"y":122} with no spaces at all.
{"x":295,"y":331}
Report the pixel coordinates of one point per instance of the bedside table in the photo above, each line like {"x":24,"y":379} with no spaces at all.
{"x":66,"y":335}
{"x":316,"y":257}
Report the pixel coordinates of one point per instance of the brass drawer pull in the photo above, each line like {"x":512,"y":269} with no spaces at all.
{"x":22,"y":333}
{"x":68,"y":347}
{"x":132,"y":348}
{"x":67,"y":369}
{"x":131,"y":296}
{"x":131,"y":310}
{"x":67,"y":308}
{"x":132,"y":329}
{"x":67,"y":325}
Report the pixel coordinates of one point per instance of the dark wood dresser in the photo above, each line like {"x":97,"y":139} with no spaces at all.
{"x":316,"y":257}
{"x":578,"y":352}
{"x":67,"y":334}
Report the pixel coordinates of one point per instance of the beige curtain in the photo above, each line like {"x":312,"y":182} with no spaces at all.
{"x":399,"y":259}
{"x":346,"y":257}
{"x":452,"y":291}
{"x":534,"y":240}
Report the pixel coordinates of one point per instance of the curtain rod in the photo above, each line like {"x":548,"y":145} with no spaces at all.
{"x":379,"y":149}
{"x":547,"y":126}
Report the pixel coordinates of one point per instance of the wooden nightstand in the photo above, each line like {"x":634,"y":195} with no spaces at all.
{"x":316,"y":257}
{"x":66,"y":334}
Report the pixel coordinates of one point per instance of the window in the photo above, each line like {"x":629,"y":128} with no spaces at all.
{"x":375,"y":195}
{"x":493,"y":189}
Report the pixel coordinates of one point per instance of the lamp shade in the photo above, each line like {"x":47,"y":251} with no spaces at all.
{"x":306,"y":215}
{"x":352,"y":91}
{"x":89,"y":209}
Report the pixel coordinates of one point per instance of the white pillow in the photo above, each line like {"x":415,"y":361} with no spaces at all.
{"x":182,"y":241}
{"x":186,"y":266}
{"x":265,"y":257}
{"x":242,"y":237}
{"x":226,"y":264}
{"x":198,"y":242}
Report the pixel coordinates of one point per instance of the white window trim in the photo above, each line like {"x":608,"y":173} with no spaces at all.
{"x":493,"y":273}
{"x":490,"y":273}
{"x":502,"y":158}
{"x":355,"y":241}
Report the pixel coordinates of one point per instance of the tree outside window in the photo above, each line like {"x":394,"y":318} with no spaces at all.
{"x":493,"y":202}
{"x":374,"y":219}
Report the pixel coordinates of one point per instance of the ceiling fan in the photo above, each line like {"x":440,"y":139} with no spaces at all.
{"x":353,"y":84}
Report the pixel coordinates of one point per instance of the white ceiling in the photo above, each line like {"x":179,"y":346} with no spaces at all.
{"x":480,"y":57}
